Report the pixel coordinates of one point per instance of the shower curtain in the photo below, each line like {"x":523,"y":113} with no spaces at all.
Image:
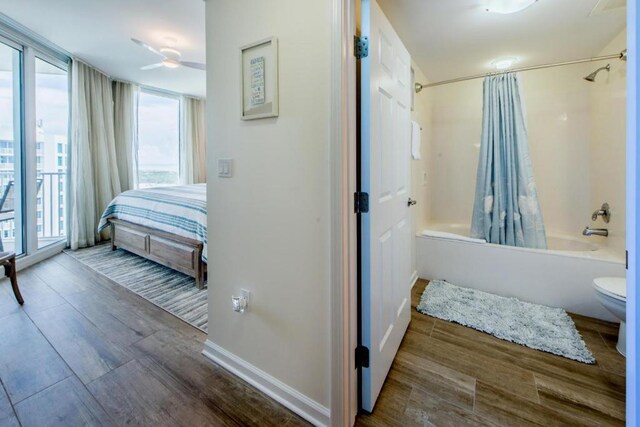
{"x":506,"y":209}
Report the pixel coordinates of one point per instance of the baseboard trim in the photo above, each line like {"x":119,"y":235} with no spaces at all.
{"x":414,"y":278}
{"x":307,"y":408}
{"x":27,"y":261}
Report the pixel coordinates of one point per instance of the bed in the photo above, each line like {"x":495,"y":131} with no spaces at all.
{"x":167,"y":225}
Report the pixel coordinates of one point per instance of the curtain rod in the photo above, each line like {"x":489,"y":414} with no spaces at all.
{"x":622,"y":55}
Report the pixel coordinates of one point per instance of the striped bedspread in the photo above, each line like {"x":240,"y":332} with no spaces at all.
{"x":180,"y":210}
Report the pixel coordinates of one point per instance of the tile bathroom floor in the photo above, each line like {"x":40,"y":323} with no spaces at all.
{"x":446,"y":374}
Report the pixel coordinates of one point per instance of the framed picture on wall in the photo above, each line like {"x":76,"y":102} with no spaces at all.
{"x":259,"y":65}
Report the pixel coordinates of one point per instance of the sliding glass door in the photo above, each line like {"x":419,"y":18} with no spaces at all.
{"x":51,"y":148}
{"x":34,"y":138}
{"x":11,"y":200}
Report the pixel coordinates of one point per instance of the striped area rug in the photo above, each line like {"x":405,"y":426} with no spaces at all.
{"x":162,"y":286}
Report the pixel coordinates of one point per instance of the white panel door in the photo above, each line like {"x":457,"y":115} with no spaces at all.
{"x":386,"y":229}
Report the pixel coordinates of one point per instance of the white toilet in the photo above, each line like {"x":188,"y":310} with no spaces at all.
{"x":612,"y":294}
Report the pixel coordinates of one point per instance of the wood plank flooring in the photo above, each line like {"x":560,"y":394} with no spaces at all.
{"x":449,"y":375}
{"x":85,"y":351}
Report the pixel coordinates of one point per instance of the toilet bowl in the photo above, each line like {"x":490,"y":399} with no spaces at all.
{"x":612,"y":294}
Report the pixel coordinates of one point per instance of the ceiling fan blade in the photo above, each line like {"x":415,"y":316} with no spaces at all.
{"x":196,"y":65}
{"x":152,"y":66}
{"x":149,"y":48}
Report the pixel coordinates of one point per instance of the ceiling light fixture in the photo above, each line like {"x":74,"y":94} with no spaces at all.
{"x":504,"y":63}
{"x":508,"y":6}
{"x":170,"y":63}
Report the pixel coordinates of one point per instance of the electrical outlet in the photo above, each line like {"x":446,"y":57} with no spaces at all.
{"x":246,"y":294}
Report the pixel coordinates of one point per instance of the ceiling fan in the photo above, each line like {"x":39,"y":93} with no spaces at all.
{"x":169,"y":57}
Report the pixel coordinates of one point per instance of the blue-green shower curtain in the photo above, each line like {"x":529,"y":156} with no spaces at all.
{"x":506,"y":209}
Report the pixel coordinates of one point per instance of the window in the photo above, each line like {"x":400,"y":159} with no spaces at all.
{"x":10,"y":131}
{"x":158,"y":140}
{"x":52,"y":121}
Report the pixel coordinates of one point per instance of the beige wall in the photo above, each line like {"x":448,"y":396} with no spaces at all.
{"x":269,"y":224}
{"x":576,"y":139}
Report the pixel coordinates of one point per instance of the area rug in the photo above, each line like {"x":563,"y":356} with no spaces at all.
{"x":532,"y":325}
{"x":162,"y":286}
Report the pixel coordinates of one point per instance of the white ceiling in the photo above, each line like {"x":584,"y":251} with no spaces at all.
{"x":99,"y":32}
{"x":456,"y":38}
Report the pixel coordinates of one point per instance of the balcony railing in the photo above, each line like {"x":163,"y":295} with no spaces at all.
{"x":50,"y":207}
{"x":52,"y":191}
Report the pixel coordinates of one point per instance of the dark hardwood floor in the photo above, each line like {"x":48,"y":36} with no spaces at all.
{"x":85,"y":351}
{"x":449,"y":375}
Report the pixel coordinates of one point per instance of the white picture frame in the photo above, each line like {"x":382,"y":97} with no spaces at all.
{"x":259,"y":79}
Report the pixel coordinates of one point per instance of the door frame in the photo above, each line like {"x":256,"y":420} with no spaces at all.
{"x":344,"y":400}
{"x":344,"y":243}
{"x":633,"y":214}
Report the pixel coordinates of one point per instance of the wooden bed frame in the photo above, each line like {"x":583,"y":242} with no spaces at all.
{"x":176,"y":252}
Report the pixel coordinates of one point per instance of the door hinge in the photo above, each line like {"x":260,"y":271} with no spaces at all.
{"x":361,"y":47}
{"x":361,"y":202}
{"x":362,"y":357}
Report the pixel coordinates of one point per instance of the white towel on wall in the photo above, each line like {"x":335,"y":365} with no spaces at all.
{"x":415,"y":140}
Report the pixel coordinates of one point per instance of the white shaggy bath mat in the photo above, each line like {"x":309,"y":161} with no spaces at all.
{"x":532,"y":325}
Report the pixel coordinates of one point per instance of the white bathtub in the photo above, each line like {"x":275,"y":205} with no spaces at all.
{"x":559,"y":277}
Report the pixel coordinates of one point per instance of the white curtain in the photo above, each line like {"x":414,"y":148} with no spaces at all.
{"x":125,"y":108}
{"x":193,"y":167}
{"x":94,"y":172}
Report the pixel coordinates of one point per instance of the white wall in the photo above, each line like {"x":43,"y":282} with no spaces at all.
{"x":419,"y":187}
{"x":269,"y":224}
{"x":576,"y":139}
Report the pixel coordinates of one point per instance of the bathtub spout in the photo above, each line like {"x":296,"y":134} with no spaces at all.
{"x":595,"y":231}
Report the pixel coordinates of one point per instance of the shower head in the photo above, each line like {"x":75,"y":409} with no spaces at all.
{"x":592,"y":77}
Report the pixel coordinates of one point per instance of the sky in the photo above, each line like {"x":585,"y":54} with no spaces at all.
{"x":158,"y":116}
{"x":158,"y":132}
{"x":52,"y":100}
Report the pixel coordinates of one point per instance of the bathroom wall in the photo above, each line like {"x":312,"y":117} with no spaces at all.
{"x":573,"y":125}
{"x":608,"y":149}
{"x":419,"y":185}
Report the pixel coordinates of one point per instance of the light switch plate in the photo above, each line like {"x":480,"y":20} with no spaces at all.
{"x":225,"y":168}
